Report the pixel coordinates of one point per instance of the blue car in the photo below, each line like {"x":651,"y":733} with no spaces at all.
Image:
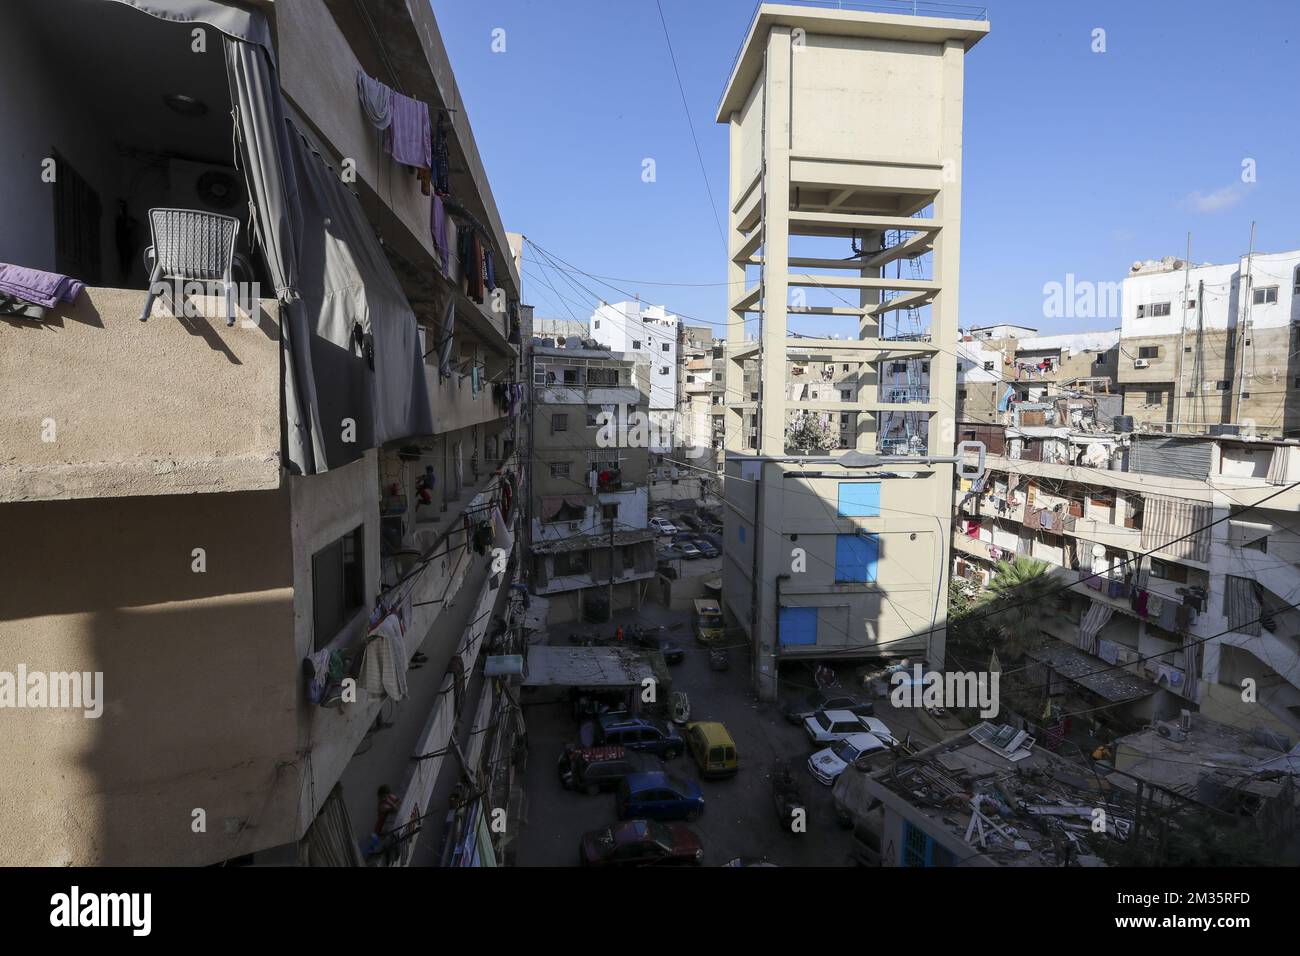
{"x":657,"y":796}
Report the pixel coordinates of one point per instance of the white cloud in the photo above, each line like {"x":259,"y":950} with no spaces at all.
{"x":1216,"y":201}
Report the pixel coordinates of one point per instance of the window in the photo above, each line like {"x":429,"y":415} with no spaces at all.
{"x":663,"y":370}
{"x":570,"y":376}
{"x":572,"y":562}
{"x":636,"y":343}
{"x":1295,"y":285}
{"x":559,"y":469}
{"x":925,"y":368}
{"x":559,"y":423}
{"x":609,"y":512}
{"x":797,"y":625}
{"x":988,"y":366}
{"x":846,"y":395}
{"x":846,"y":368}
{"x":1222,"y":385}
{"x":1191,"y":303}
{"x":596,"y":324}
{"x":1151,"y":310}
{"x":337,"y":585}
{"x":859,"y":499}
{"x":1154,"y":398}
{"x":740,"y":533}
{"x":844,"y":418}
{"x":592,"y":412}
{"x":76,"y":225}
{"x":961,"y":366}
{"x":602,"y":376}
{"x":666,"y":347}
{"x":1149,"y":352}
{"x":855,"y":558}
{"x":920,"y":849}
{"x":961,"y":394}
{"x":1168,"y":571}
{"x":1265,"y":296}
{"x":898,"y":368}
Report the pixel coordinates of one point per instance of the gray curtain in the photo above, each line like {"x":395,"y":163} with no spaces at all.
{"x":343,"y":309}
{"x":228,"y":19}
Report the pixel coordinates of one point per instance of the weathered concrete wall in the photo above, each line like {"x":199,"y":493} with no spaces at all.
{"x":96,"y":403}
{"x":200,"y":679}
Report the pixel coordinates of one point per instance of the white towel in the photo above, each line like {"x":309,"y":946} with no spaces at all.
{"x":383,"y":669}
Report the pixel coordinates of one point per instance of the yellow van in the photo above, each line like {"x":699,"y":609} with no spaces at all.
{"x":708,"y":622}
{"x":713,"y":749}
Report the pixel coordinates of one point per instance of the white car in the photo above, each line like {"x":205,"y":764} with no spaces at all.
{"x":832,"y":726}
{"x":828,"y":764}
{"x":662,"y":526}
{"x":876,"y":727}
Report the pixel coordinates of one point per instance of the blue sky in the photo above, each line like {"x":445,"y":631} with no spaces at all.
{"x":1075,"y":162}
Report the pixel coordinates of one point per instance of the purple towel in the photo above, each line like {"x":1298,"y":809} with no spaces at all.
{"x":408,"y":137}
{"x":33,"y":285}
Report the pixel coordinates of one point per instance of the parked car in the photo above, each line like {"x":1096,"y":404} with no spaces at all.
{"x":641,"y":843}
{"x":713,"y":749}
{"x":876,"y":727}
{"x":662,"y":526}
{"x":658,"y":796}
{"x":855,"y":750}
{"x":652,"y":637}
{"x":689,"y":551}
{"x":832,"y":726}
{"x":593,"y":769}
{"x":706,"y":549}
{"x":799,"y":709}
{"x":643,"y":734}
{"x":714,"y":538}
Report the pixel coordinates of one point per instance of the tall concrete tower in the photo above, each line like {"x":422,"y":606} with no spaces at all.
{"x":844,"y":238}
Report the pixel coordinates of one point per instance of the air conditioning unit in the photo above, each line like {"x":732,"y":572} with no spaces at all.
{"x":1141,"y":363}
{"x":205,"y":186}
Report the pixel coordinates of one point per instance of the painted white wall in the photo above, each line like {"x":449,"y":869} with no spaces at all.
{"x":1222,"y":306}
{"x":646,"y":334}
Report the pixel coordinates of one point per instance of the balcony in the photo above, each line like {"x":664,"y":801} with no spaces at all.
{"x":95,"y":403}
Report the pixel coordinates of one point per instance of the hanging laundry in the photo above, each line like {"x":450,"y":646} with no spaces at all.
{"x":438,"y":231}
{"x":407,"y":138}
{"x":46,"y":289}
{"x":447,"y":343}
{"x":441,"y":159}
{"x":376,"y":101}
{"x":489,"y":270}
{"x":383,"y":667}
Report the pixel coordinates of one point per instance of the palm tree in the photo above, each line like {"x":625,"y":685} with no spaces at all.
{"x":1015,"y":603}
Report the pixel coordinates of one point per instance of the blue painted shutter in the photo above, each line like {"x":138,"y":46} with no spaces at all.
{"x":798,"y":625}
{"x":855,"y":557}
{"x":859,"y":499}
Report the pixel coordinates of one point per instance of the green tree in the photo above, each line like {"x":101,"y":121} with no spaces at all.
{"x":1014,"y":605}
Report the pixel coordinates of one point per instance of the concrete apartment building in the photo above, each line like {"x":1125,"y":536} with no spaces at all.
{"x":1209,"y":344}
{"x":845,"y":142}
{"x":589,"y":507}
{"x":993,"y":370}
{"x":690,"y":472}
{"x":214,"y":517}
{"x":1176,"y":555}
{"x":650,"y":335}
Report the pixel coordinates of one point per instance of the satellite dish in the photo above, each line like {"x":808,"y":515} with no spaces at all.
{"x":1098,"y":550}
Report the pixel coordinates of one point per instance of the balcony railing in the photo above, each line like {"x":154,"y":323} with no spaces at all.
{"x":899,"y":396}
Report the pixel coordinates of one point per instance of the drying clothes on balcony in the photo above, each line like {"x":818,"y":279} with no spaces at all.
{"x":408,"y":138}
{"x":438,"y":231}
{"x":441,"y":159}
{"x":45,"y":289}
{"x":384,"y":661}
{"x":376,"y":101}
{"x":1168,"y":618}
{"x":1155,"y":604}
{"x":1242,"y":605}
{"x":13,"y":307}
{"x":489,"y":270}
{"x":447,"y":343}
{"x":1108,"y":651}
{"x":1090,"y":625}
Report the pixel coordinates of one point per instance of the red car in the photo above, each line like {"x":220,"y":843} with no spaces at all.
{"x":641,"y":843}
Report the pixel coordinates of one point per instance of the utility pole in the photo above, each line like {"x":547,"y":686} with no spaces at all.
{"x":1243,"y":326}
{"x":1182,"y":332}
{"x":611,"y":569}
